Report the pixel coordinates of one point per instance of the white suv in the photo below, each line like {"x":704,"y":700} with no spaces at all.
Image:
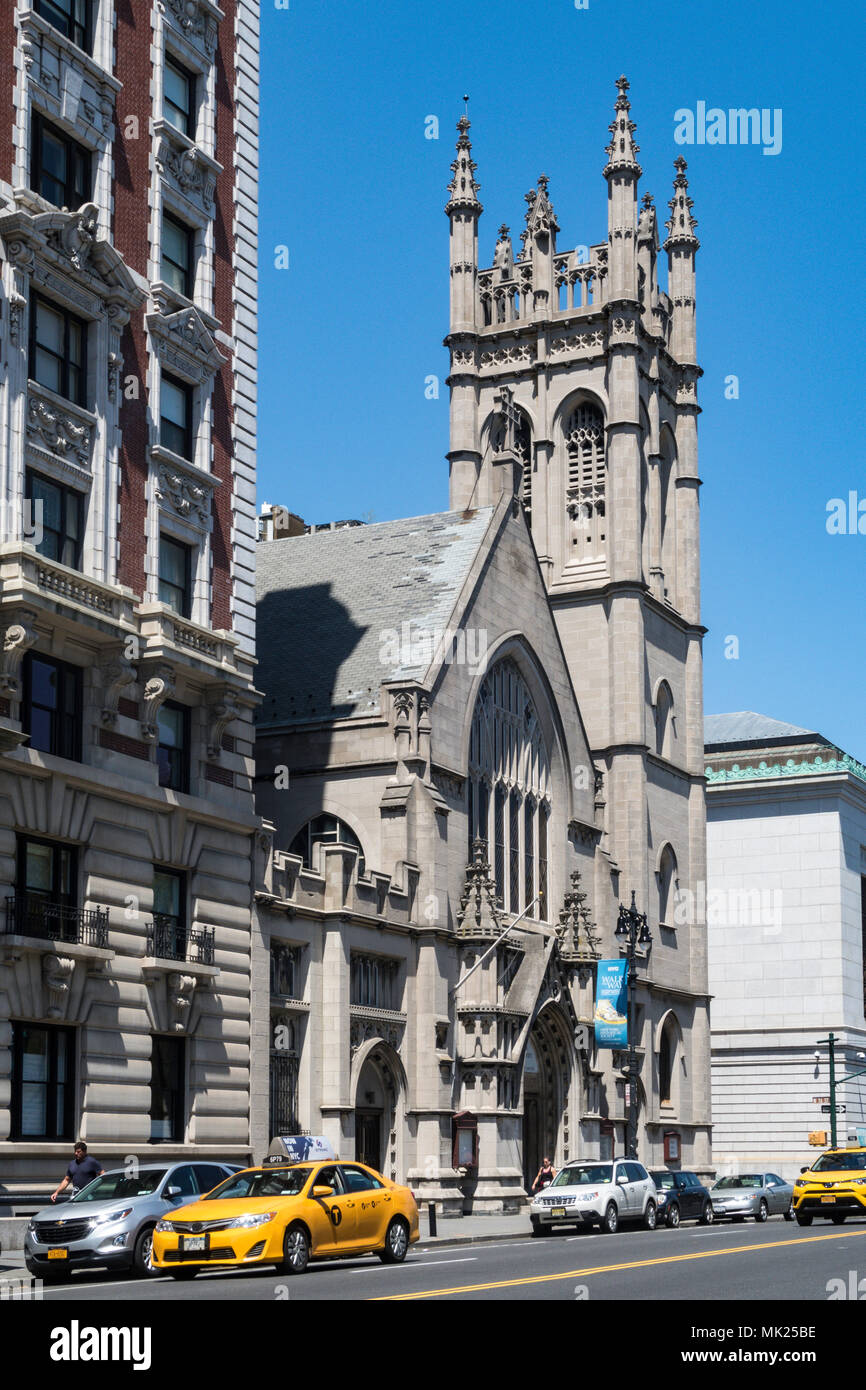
{"x":603,"y":1194}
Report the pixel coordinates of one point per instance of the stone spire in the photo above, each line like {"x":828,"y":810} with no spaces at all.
{"x":578,"y":942}
{"x":478,"y":916}
{"x":539,"y":245}
{"x":463,"y":188}
{"x":681,"y":225}
{"x":622,"y":151}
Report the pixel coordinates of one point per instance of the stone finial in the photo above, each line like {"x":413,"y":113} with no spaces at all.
{"x":578,"y":940}
{"x":681,"y":224}
{"x":463,"y":188}
{"x":622,"y":151}
{"x":479,"y":914}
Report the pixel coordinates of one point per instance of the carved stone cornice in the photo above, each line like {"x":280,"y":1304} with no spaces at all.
{"x":62,"y":430}
{"x":183,"y":489}
{"x":185,"y":167}
{"x":196,"y":20}
{"x":62,"y":251}
{"x":159,"y":687}
{"x":71,"y":84}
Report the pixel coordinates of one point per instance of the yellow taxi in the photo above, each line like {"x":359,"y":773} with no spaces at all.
{"x":287,"y":1214}
{"x":834,"y":1187}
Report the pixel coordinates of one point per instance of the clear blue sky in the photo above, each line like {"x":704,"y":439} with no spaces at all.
{"x":352,"y":329}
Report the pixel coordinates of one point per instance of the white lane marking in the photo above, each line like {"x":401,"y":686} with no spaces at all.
{"x":417,"y":1264}
{"x":76,"y":1285}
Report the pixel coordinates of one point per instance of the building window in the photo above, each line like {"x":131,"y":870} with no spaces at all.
{"x":667,"y":877}
{"x":284,"y":970}
{"x":178,"y":98}
{"x":74,"y":18}
{"x":169,"y":897}
{"x":325,"y":830}
{"x":43,"y":1089}
{"x":57,"y":515}
{"x":172,"y":750}
{"x":58,"y":350}
{"x":167,"y":1069}
{"x":60,"y":169}
{"x":47,"y":886}
{"x":175,"y":570}
{"x":667,"y":1054}
{"x":51,"y":706}
{"x":284,"y":1056}
{"x":175,"y":424}
{"x":664,"y":720}
{"x":507,"y":750}
{"x":584,"y":445}
{"x":374,"y":982}
{"x":178,"y":247}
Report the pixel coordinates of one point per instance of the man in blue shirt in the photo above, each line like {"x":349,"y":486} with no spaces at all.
{"x":80,"y":1172}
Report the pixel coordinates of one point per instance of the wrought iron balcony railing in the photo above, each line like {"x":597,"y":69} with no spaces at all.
{"x":169,"y":939}
{"x":75,"y":926}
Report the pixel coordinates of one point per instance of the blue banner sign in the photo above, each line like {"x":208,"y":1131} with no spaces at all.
{"x":611,"y":1016}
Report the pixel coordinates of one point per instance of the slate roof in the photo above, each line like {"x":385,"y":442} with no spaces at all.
{"x":327,"y":601}
{"x":748,"y":727}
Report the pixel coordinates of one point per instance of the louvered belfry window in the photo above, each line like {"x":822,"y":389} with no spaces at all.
{"x":508,"y":756}
{"x":586,"y":482}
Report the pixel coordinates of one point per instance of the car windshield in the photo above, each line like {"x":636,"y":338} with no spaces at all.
{"x":122,"y":1184}
{"x":663,"y":1180}
{"x":262,"y":1182}
{"x":582,"y":1177}
{"x":841,"y":1163}
{"x":744,"y":1180}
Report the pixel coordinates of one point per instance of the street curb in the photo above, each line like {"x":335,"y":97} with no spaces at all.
{"x":448,"y":1242}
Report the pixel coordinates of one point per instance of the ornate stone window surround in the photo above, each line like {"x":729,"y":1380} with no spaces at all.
{"x":171,"y":42}
{"x":60,"y":255}
{"x":192,"y":26}
{"x":73,"y":90}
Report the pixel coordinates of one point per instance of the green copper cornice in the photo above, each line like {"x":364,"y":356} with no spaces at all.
{"x":764,"y":770}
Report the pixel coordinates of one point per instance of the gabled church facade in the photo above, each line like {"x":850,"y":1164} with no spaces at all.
{"x":481,"y":731}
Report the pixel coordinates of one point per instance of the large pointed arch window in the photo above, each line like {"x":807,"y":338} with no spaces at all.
{"x":586,"y":481}
{"x":509,"y":789}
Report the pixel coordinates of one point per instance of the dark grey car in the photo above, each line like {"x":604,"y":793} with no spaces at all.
{"x":110,"y":1222}
{"x":759,"y":1195}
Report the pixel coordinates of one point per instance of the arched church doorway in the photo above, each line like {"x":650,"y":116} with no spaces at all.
{"x":379,"y":1092}
{"x":547,"y":1077}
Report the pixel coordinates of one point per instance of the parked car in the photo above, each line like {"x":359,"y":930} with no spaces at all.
{"x":833,"y":1188}
{"x":759,"y":1195}
{"x":682,"y":1197}
{"x":286,"y":1215}
{"x":596,"y":1194}
{"x":111,"y":1221}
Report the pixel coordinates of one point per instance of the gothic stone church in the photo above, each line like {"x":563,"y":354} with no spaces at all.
{"x":493,"y":715}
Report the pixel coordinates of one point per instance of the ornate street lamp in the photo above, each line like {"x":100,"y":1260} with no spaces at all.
{"x":632,"y":925}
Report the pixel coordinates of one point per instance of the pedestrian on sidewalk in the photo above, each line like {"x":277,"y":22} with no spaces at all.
{"x":545,"y":1176}
{"x":82,"y":1170}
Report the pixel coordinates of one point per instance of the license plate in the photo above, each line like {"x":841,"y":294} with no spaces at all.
{"x":557,"y":1211}
{"x":828,"y":1199}
{"x":58,"y":1254}
{"x":188,"y":1244}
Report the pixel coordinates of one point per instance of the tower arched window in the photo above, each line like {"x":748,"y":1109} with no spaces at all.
{"x":667,"y":1057}
{"x":667,"y":877}
{"x":664,"y":714}
{"x":586,"y":481}
{"x":324,"y":830}
{"x":509,"y":789}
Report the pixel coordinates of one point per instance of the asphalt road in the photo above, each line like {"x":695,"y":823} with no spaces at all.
{"x":778,"y":1260}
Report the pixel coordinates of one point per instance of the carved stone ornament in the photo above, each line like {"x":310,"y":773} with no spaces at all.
{"x":224,"y":709}
{"x":576,"y":933}
{"x":478,"y":915}
{"x":77,"y":237}
{"x":17,"y":309}
{"x":194,"y":20}
{"x":159,"y":687}
{"x":19,"y":636}
{"x":181,"y":989}
{"x":58,"y":431}
{"x":189,"y":169}
{"x":117,"y":674}
{"x":183,"y":340}
{"x":182,"y":494}
{"x":57,"y":972}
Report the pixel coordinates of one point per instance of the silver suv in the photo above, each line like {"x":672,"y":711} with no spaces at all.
{"x":110,"y":1221}
{"x":602,"y":1194}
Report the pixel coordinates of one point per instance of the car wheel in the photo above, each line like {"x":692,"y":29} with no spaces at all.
{"x":296,"y":1250}
{"x":804,"y":1218}
{"x":184,"y":1272}
{"x":708,"y":1216}
{"x":610,"y":1223}
{"x":839,"y":1218}
{"x":142,"y":1255}
{"x":396,"y":1242}
{"x":789,"y":1214}
{"x":649,"y":1216}
{"x":672,"y":1215}
{"x":762,"y":1213}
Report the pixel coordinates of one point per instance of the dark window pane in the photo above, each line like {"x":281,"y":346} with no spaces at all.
{"x":178,"y":97}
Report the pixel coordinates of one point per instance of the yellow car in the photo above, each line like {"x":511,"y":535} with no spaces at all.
{"x":834,"y":1187}
{"x":286,"y":1215}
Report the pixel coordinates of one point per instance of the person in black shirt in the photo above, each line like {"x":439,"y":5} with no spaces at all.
{"x":80,"y":1172}
{"x":545,"y":1176}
